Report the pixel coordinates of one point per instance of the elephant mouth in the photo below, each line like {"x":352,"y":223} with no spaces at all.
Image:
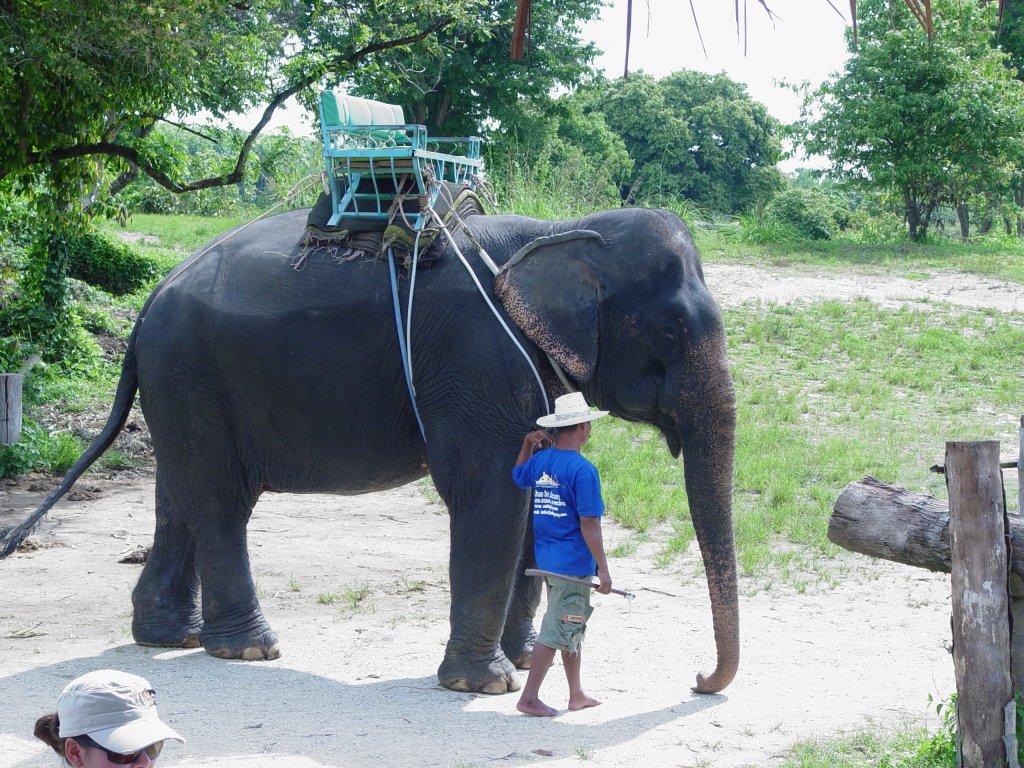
{"x":673,"y":438}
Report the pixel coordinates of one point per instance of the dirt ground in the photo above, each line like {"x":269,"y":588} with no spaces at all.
{"x":357,"y":590}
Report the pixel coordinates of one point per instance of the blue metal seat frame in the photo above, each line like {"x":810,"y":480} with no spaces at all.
{"x":369,"y":164}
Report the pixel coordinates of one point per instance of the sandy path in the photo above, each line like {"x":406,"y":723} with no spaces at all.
{"x":355,"y":685}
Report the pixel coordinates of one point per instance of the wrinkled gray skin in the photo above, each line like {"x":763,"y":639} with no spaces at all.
{"x":255,"y":377}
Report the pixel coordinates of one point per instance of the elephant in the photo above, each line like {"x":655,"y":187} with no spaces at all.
{"x":255,"y":376}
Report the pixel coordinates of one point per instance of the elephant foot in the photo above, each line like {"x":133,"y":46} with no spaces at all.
{"x":164,"y":634}
{"x":257,"y":642}
{"x":518,"y":647}
{"x":493,"y":674}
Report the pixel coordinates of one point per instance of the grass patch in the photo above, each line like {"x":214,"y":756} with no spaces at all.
{"x":996,"y":258}
{"x":826,"y":393}
{"x":913,"y":748}
{"x":169,"y":240}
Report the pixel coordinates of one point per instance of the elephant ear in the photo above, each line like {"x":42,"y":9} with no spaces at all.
{"x":552,"y":295}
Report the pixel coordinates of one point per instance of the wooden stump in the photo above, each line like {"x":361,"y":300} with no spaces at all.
{"x":981,"y":631}
{"x":10,"y":407}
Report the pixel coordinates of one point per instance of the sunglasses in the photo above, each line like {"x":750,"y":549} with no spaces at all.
{"x":153,"y":750}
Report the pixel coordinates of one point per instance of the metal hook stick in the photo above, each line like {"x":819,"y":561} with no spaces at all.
{"x":537,"y":572}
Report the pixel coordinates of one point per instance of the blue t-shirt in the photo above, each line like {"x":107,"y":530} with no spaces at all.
{"x":565,"y":488}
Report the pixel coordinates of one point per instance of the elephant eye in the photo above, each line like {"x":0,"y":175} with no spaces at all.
{"x":665,"y":340}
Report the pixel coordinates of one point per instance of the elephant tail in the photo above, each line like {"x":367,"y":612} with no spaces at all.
{"x":12,"y":538}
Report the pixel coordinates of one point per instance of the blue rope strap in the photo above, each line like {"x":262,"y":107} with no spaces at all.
{"x":401,"y":341}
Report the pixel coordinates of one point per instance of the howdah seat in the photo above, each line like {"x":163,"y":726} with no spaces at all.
{"x":373,"y":156}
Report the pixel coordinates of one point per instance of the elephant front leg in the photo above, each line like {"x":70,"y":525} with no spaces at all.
{"x":165,"y":600}
{"x":519,"y":635}
{"x":484,"y":555}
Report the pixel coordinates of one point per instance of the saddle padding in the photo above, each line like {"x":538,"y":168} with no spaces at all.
{"x":343,"y":109}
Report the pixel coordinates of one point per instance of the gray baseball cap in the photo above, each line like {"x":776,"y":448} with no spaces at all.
{"x":115,"y":709}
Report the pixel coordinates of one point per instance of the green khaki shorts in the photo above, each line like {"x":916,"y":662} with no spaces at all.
{"x":565,"y":622}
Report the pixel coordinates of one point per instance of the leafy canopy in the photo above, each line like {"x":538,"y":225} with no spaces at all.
{"x":932,"y":121}
{"x":691,"y":135}
{"x":88,"y":80}
{"x":468,"y":81}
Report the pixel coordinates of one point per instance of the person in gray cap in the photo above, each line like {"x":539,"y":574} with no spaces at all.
{"x":567,"y":541}
{"x":106,"y":718}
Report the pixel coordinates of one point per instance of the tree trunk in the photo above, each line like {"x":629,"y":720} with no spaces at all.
{"x":912,"y":214}
{"x":444,"y":106}
{"x":918,"y":214}
{"x":965,"y":221}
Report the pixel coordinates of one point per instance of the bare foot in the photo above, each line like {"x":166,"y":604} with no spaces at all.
{"x":582,"y":702}
{"x":535,"y":707}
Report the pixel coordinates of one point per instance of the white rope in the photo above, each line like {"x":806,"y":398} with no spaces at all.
{"x":494,"y":270}
{"x":490,"y":305}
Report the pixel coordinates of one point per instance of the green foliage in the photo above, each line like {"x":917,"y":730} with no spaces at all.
{"x":812,"y":213}
{"x":19,"y":221}
{"x":933,"y":122}
{"x":36,"y":451}
{"x":576,"y":168}
{"x":915,"y":748}
{"x":85,"y":83}
{"x":467,"y":80}
{"x":690,"y":135}
{"x":102,"y":261}
{"x":940,"y":749}
{"x":277,"y":164}
{"x":44,"y":313}
{"x":761,"y":228}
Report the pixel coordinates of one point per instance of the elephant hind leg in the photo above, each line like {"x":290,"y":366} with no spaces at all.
{"x":202,"y":512}
{"x":165,"y":599}
{"x":233,"y":623}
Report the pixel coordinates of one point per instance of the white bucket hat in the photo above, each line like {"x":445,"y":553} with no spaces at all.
{"x":115,"y":709}
{"x":570,"y":409}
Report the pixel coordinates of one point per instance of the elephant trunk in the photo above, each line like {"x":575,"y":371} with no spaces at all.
{"x":707,"y":426}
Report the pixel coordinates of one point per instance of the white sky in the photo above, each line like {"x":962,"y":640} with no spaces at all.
{"x":805,"y":42}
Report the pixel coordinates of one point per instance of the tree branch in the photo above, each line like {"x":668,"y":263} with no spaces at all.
{"x":185,"y":128}
{"x":133,"y":156}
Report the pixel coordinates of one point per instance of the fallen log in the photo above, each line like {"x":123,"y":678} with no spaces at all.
{"x":880,"y":520}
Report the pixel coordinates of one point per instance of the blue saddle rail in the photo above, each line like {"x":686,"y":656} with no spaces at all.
{"x":372,"y":157}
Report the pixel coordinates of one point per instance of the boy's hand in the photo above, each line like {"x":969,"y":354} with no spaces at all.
{"x":536,"y":440}
{"x":532,"y":443}
{"x":604,"y":581}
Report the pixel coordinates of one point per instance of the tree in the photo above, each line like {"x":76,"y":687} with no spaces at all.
{"x":467,"y":80}
{"x":935,"y":121}
{"x":735,"y":140}
{"x":691,"y":135}
{"x":83,"y":81}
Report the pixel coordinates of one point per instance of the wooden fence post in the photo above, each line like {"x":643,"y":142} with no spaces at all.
{"x":981,"y":633}
{"x":1020,"y":469}
{"x":10,"y":407}
{"x":1017,"y":586}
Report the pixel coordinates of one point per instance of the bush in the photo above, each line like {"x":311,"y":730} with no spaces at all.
{"x":37,"y":451}
{"x":876,"y":228}
{"x":812,"y":213}
{"x":106,"y":263}
{"x":761,"y":229}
